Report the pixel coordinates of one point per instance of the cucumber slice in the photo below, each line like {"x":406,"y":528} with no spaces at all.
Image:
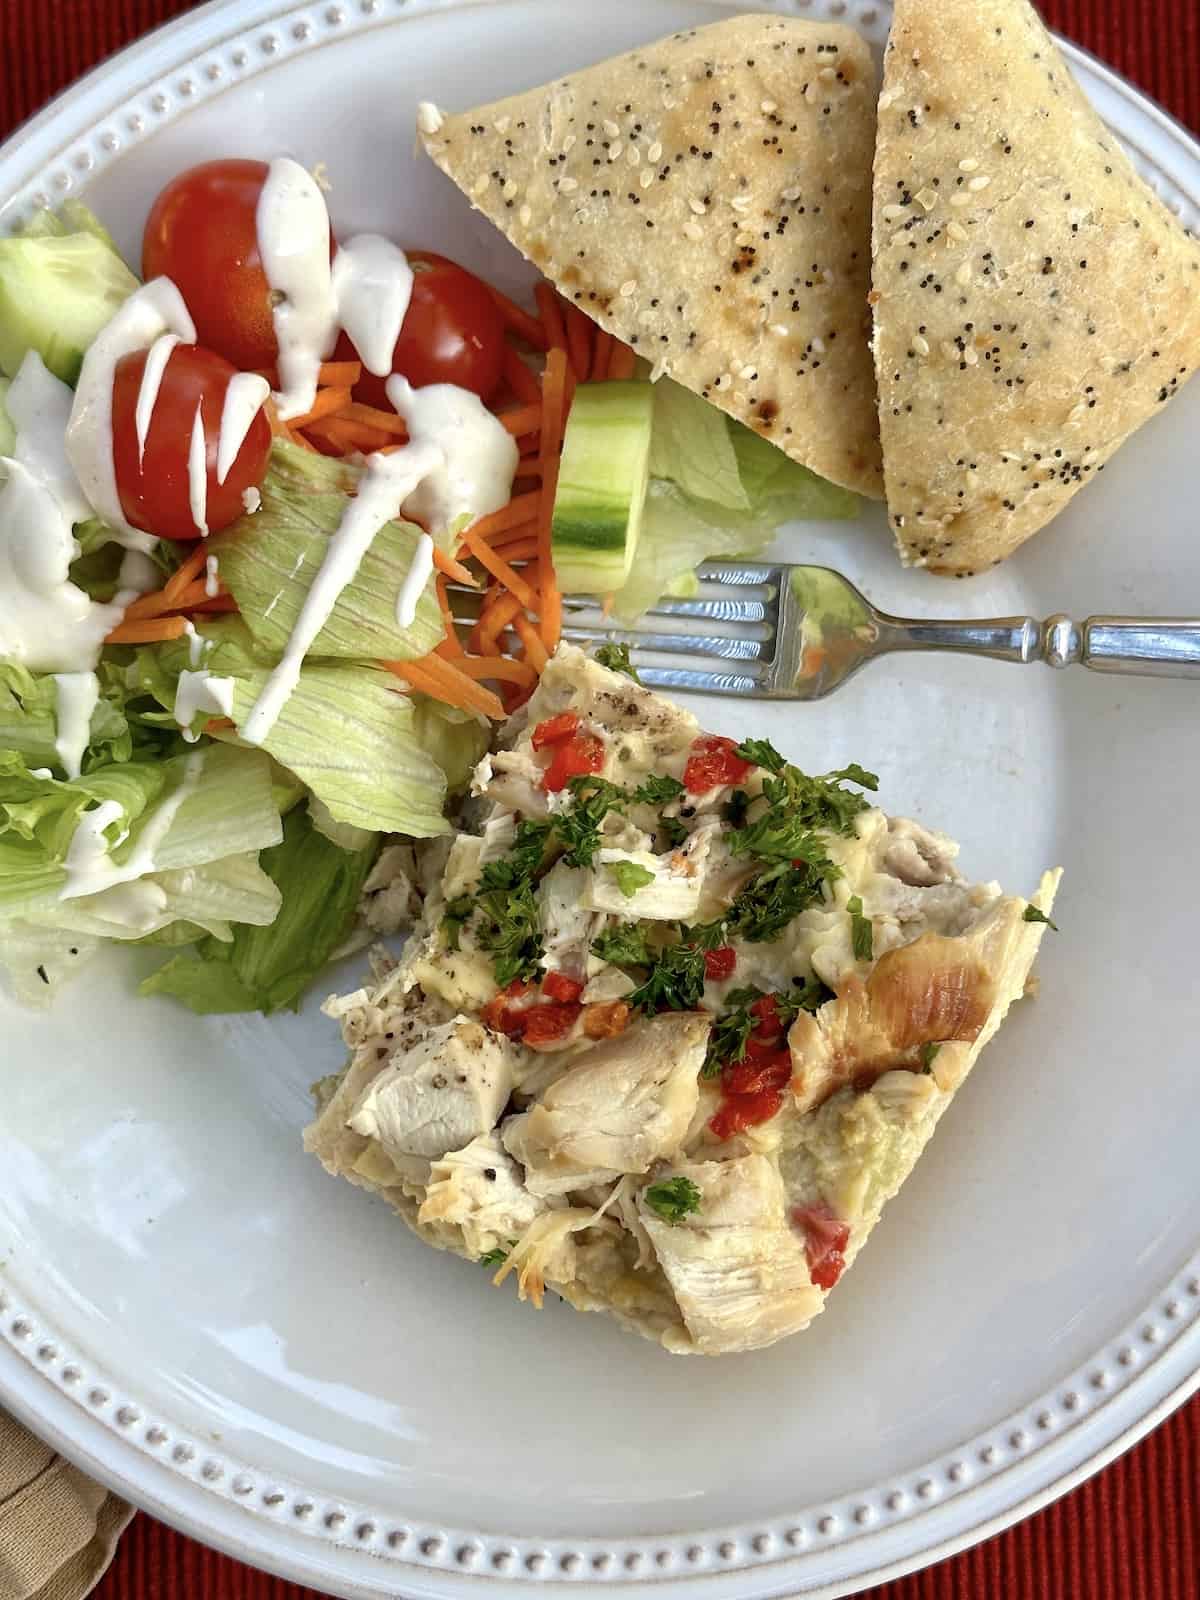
{"x":602,"y":485}
{"x":58,"y":288}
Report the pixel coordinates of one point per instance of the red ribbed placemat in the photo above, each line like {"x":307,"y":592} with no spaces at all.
{"x":1133,"y":1532}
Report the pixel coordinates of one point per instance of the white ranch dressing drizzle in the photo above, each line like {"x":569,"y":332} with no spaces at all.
{"x":198,"y":474}
{"x":46,"y":622}
{"x":212,"y":568}
{"x":89,"y":865}
{"x":76,"y":695}
{"x":372,"y":284}
{"x":156,"y":308}
{"x":480,"y":456}
{"x":243,"y":401}
{"x":414,"y":583}
{"x":201,"y":691}
{"x":292,"y":225}
{"x":382,"y":490}
{"x":157,"y":357}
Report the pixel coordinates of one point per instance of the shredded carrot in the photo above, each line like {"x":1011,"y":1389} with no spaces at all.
{"x":521,"y":509}
{"x":187,"y":572}
{"x":520,"y":379}
{"x":499,"y":568}
{"x":552,"y":320}
{"x":621,"y":361}
{"x":527,"y":420}
{"x":600,"y":355}
{"x":525,"y":549}
{"x":502,"y":668}
{"x":579,"y":340}
{"x":443,"y":681}
{"x":219,"y":725}
{"x":510,"y":536}
{"x":293,"y":437}
{"x":219,"y":602}
{"x":528,"y":446}
{"x":554,"y":382}
{"x":327,"y":404}
{"x":449,"y":644}
{"x":343,"y":437}
{"x":452,"y":568}
{"x":517,"y":320}
{"x":148,"y":632}
{"x":339,"y":374}
{"x":373,"y":417}
{"x":185,"y":599}
{"x":492,"y":623}
{"x":535,"y":650}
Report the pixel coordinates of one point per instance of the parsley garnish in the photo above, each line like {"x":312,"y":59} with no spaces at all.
{"x":511,"y":931}
{"x":578,"y":830}
{"x":675,"y":981}
{"x":673,"y":1199}
{"x":762,"y":753}
{"x":521,"y":862}
{"x":795,"y":807}
{"x":731,"y":1032}
{"x":928,"y":1052}
{"x":498,"y":1256}
{"x":630,"y":876}
{"x":616,"y":658}
{"x":862,"y":935}
{"x":769,"y":902}
{"x":734,"y":809}
{"x":673,"y":831}
{"x":658,"y":790}
{"x":624,"y":946}
{"x":1032,"y":914}
{"x":458,"y":912}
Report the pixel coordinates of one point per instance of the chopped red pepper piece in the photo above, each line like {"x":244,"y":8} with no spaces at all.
{"x":825,"y":1241}
{"x":557,"y":986}
{"x":719,"y":963}
{"x":556,"y":729}
{"x":743,"y":1111}
{"x":768,"y":1022}
{"x":714,"y":761}
{"x":546,"y":1024}
{"x":501,"y":1015}
{"x":578,"y":756}
{"x":770,"y":1071}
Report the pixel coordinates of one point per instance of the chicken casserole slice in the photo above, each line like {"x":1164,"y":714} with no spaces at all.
{"x":675,"y":1022}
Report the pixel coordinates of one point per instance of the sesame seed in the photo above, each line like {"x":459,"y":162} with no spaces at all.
{"x":569,"y":144}
{"x":981,"y":182}
{"x":891,"y":212}
{"x":723,"y":382}
{"x":788,"y":194}
{"x":510,"y":190}
{"x":429,"y":118}
{"x":655,"y":152}
{"x":969,"y":164}
{"x":949,"y":350}
{"x":963,"y":275}
{"x":611,"y":129}
{"x":692,"y":230}
{"x":920,"y":344}
{"x":827,"y":74}
{"x":926,"y":198}
{"x":646,"y":179}
{"x":971,"y":356}
{"x":956,"y":231}
{"x":614,"y":150}
{"x":811,"y":93}
{"x":697,"y":206}
{"x":668,"y":102}
{"x":960,"y":199}
{"x":740,"y":202}
{"x":567,"y":185}
{"x":780,"y":328}
{"x":525,"y":216}
{"x":827,"y":276}
{"x":627,"y":288}
{"x":767,"y":106}
{"x":480,"y":184}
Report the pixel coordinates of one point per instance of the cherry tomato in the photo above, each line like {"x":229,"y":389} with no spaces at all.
{"x":155,"y":491}
{"x":202,"y":232}
{"x":719,"y":964}
{"x":743,"y":1111}
{"x":547,"y":1024}
{"x":825,"y":1241}
{"x":452,"y":333}
{"x":555,"y":729}
{"x":574,"y":758}
{"x":714,"y":761}
{"x":557,"y":986}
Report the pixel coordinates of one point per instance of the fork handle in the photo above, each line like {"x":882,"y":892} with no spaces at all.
{"x":1155,"y":647}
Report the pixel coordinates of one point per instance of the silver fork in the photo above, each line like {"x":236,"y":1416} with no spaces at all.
{"x":782,"y":632}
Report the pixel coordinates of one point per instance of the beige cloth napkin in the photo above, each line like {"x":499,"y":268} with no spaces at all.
{"x":58,"y":1529}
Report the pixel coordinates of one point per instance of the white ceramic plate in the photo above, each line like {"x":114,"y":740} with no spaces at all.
{"x":193,"y":1311}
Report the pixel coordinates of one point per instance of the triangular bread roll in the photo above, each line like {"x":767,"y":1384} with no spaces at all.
{"x":707,"y":200}
{"x":1034,"y":301}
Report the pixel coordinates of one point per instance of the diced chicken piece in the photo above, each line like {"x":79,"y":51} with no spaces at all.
{"x":737,"y":1268}
{"x":622,"y":1105}
{"x":918,"y":855}
{"x":479,"y":1190}
{"x":499,"y":835}
{"x":674,"y":893}
{"x":515,"y":781}
{"x":609,"y":983}
{"x":462,"y":866}
{"x":645,"y":730}
{"x":568,"y":923}
{"x":463,"y":979}
{"x":440,"y":1093}
{"x":390,"y":900}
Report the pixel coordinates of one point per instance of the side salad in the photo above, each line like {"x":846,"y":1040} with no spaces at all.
{"x":236,"y":498}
